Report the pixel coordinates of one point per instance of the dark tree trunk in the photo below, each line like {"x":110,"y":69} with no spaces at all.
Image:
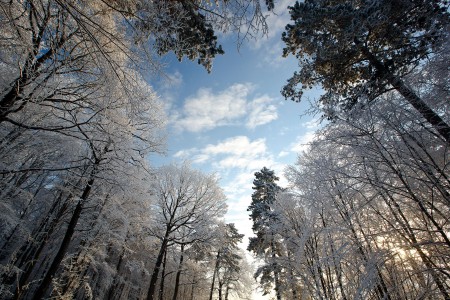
{"x":291,"y":279}
{"x":275,"y":272}
{"x":177,"y":278}
{"x":163,"y":276}
{"x":427,"y":113}
{"x":193,"y":287}
{"x":220,"y":289}
{"x":159,"y":259}
{"x":214,"y":275}
{"x":46,"y":281}
{"x":227,"y":291}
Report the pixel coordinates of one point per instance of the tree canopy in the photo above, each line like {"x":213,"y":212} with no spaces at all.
{"x":358,"y":50}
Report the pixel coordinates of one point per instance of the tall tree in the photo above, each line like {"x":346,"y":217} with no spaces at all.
{"x":186,"y":201}
{"x":358,"y":50}
{"x":265,"y":244}
{"x":226,"y":267}
{"x":380,"y":180}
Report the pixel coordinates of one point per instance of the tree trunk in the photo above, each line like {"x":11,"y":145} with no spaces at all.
{"x":214,"y":275}
{"x":432,"y":117}
{"x":410,"y":96}
{"x":177,"y":278}
{"x":163,"y":276}
{"x":227,"y":291}
{"x":291,"y":279}
{"x":46,"y":281}
{"x":275,"y":272}
{"x":411,"y":238}
{"x":159,"y":259}
{"x":381,"y":287}
{"x":220,"y":289}
{"x":29,"y":253}
{"x":193,"y":286}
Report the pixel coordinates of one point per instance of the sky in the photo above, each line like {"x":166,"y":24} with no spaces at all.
{"x":234,"y":121}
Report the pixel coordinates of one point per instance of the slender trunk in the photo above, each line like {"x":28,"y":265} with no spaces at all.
{"x":31,"y":251}
{"x":227,"y":291}
{"x":220,"y":289}
{"x":409,"y":232}
{"x":390,"y":161}
{"x":159,"y":259}
{"x":115,"y":282}
{"x":177,"y":278}
{"x":163,"y":276}
{"x":81,"y":263}
{"x":216,"y":267}
{"x":291,"y":279}
{"x":192,"y":289}
{"x":275,"y":272}
{"x":22,"y":179}
{"x":410,"y":96}
{"x":381,"y":287}
{"x":46,"y":281}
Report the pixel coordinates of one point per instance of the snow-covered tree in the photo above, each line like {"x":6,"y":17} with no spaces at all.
{"x":186,"y":201}
{"x":371,"y":195}
{"x":227,"y":262}
{"x":358,"y":50}
{"x":265,"y":244}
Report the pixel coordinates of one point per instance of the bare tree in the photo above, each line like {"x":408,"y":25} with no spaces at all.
{"x":186,"y":200}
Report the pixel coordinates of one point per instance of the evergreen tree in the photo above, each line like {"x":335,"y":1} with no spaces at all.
{"x":358,"y":50}
{"x":264,"y":245}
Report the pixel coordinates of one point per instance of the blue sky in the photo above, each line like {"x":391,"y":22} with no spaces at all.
{"x":234,"y":121}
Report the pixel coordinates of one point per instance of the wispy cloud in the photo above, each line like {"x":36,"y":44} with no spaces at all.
{"x":207,"y":109}
{"x":238,"y":157}
{"x":168,"y":88}
{"x":235,"y":152}
{"x":302,"y":142}
{"x":261,"y":112}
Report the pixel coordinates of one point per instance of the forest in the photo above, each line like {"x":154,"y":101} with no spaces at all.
{"x":86,"y":214}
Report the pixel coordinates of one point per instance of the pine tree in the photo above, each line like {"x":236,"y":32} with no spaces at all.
{"x":264,"y":245}
{"x":358,"y":50}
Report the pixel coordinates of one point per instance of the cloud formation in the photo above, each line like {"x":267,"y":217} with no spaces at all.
{"x":207,"y":110}
{"x":235,"y":152}
{"x":238,"y":157}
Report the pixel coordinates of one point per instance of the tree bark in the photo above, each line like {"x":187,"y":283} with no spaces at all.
{"x":46,"y":281}
{"x":177,"y":278}
{"x":433,"y":118}
{"x":214,"y":275}
{"x":163,"y":276}
{"x":275,"y":272}
{"x":31,"y":253}
{"x":159,"y":259}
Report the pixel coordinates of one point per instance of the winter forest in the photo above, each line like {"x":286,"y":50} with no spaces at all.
{"x":85,"y":213}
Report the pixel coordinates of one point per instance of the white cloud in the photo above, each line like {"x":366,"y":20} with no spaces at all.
{"x":184,"y":153}
{"x":237,"y":156}
{"x":302,"y":142}
{"x":238,"y":145}
{"x":283,"y":153}
{"x":237,"y":152}
{"x":261,"y":112}
{"x":207,"y":110}
{"x":169,"y":85}
{"x":312,"y":124}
